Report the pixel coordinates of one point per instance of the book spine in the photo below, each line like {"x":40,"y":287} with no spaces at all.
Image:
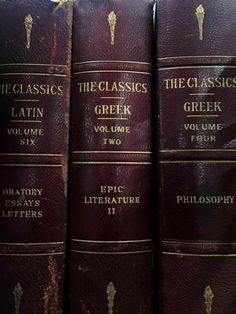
{"x":196,"y":83}
{"x":34,"y":95}
{"x":111,"y":247}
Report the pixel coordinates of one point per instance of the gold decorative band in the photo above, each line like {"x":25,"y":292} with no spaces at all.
{"x":109,"y":152}
{"x":202,"y":94}
{"x":124,"y":241}
{"x":32,"y":165}
{"x":112,"y":97}
{"x":111,"y":163}
{"x":36,"y":254}
{"x":202,"y":116}
{"x":111,"y":253}
{"x":26,"y":121}
{"x":197,"y":67}
{"x":111,"y":61}
{"x":113,"y":71}
{"x":198,"y":150}
{"x":33,"y":64}
{"x":30,"y":243}
{"x":197,"y":161}
{"x":200,"y":255}
{"x":26,"y":154}
{"x":33,"y":74}
{"x":176,"y":242}
{"x":193,"y":57}
{"x":26,"y":100}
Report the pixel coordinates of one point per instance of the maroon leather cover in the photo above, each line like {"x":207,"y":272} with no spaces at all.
{"x":35,"y":56}
{"x":111,"y":248}
{"x":196,"y":127}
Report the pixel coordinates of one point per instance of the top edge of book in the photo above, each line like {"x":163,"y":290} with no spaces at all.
{"x":196,"y":32}
{"x":113,"y":34}
{"x":35,"y":34}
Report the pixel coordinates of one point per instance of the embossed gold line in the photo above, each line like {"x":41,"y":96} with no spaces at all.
{"x":195,"y":161}
{"x":31,"y":165}
{"x":202,"y":94}
{"x":111,"y":163}
{"x":25,"y":100}
{"x":112,"y":118}
{"x":26,"y":154}
{"x":124,"y":241}
{"x":36,"y":254}
{"x":111,"y":61}
{"x":197,"y":150}
{"x":197,"y":67}
{"x":190,"y":57}
{"x":27,"y":121}
{"x":30,"y":64}
{"x":112,"y":71}
{"x":110,"y":152}
{"x":111,"y":97}
{"x":202,"y":116}
{"x":34,"y":74}
{"x":197,"y":243}
{"x":201,"y":255}
{"x":30,"y":243}
{"x":111,"y":253}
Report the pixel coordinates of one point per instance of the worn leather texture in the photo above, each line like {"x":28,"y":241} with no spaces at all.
{"x":111,"y":248}
{"x":179,"y":32}
{"x":196,"y":169}
{"x":35,"y":60}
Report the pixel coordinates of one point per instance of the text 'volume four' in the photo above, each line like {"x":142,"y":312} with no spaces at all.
{"x":111,"y":248}
{"x":197,"y":170}
{"x":34,"y":95}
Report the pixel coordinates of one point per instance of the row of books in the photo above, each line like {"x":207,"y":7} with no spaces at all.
{"x":117,"y":157}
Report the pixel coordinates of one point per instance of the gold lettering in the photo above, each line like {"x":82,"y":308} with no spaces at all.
{"x":174,"y":83}
{"x":196,"y":82}
{"x":21,"y":214}
{"x":112,"y":129}
{"x":25,"y":132}
{"x":29,"y":112}
{"x":112,"y":110}
{"x":31,"y":89}
{"x":112,"y":141}
{"x":203,"y":138}
{"x":111,"y":189}
{"x":22,"y":192}
{"x":114,"y":86}
{"x":203,"y":126}
{"x":112,"y":200}
{"x":111,"y":195}
{"x":202,"y":106}
{"x":20,"y":201}
{"x":111,"y":211}
{"x":205,"y":199}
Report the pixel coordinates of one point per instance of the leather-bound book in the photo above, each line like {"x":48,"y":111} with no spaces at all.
{"x":197,"y":150}
{"x":35,"y":52}
{"x":111,"y":247}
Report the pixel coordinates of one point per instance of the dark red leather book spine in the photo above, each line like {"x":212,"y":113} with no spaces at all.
{"x":111,"y":248}
{"x":35,"y":58}
{"x":197,"y":192}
